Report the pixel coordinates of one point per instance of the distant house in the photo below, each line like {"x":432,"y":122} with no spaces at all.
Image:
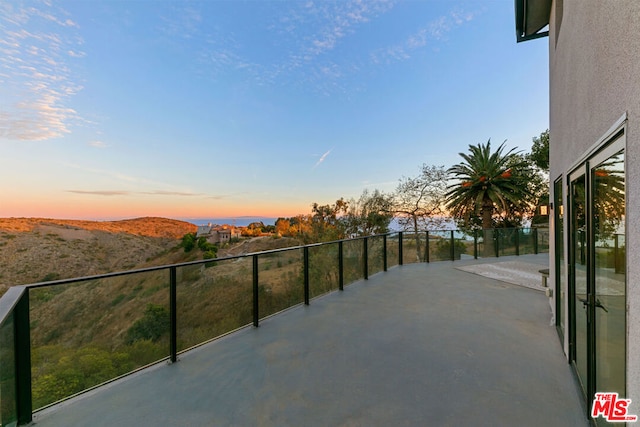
{"x":217,"y":233}
{"x":594,"y":118}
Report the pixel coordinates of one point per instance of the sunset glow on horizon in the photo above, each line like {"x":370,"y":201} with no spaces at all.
{"x":123,"y":109}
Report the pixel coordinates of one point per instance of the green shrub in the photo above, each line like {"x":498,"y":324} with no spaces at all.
{"x":443,"y":249}
{"x":153,"y":325}
{"x":188,"y":242}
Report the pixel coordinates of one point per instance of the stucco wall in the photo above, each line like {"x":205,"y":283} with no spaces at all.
{"x":594,"y":66}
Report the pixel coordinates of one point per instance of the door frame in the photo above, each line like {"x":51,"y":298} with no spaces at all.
{"x":612,"y":142}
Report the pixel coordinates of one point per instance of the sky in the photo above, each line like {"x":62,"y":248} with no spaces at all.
{"x":183,"y":109}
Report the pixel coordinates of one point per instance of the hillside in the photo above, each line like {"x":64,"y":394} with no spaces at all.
{"x":39,"y":249}
{"x":86,"y":333}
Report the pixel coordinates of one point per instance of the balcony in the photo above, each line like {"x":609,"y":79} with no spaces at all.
{"x":421,"y":342}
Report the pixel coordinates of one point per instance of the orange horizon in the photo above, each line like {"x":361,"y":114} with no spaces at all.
{"x":121,"y":214}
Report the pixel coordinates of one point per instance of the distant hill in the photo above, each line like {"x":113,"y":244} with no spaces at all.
{"x":147,"y":226}
{"x":42,"y":249}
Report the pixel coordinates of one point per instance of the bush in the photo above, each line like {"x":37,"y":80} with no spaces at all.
{"x":443,"y":249}
{"x":210,"y":254}
{"x":188,"y":242}
{"x":153,"y":325}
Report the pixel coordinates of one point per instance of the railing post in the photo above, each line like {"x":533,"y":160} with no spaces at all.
{"x":535,"y":241}
{"x":173,"y":330}
{"x":496,"y":240}
{"x":517,"y":241}
{"x":426,"y":253}
{"x":399,"y":247}
{"x":365,"y":255}
{"x":22,"y":336}
{"x":340,"y":266}
{"x":384,"y":251}
{"x":305,"y":252}
{"x":256,"y":314}
{"x":475,"y":244}
{"x":452,"y":250}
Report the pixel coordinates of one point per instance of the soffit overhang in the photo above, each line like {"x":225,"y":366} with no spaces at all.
{"x":532,"y":16}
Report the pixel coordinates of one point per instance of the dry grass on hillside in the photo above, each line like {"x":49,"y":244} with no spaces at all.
{"x":147,"y":226}
{"x":36,"y":249}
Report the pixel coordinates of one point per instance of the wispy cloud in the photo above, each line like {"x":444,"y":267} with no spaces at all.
{"x":98,"y":144}
{"x":434,"y":31}
{"x":184,"y":22}
{"x":132,"y":193}
{"x":322,"y":159}
{"x":171,"y":193}
{"x":101,"y":192}
{"x":137,"y":183}
{"x":37,"y":47}
{"x":315,"y":29}
{"x":326,"y":23}
{"x":300,"y":37}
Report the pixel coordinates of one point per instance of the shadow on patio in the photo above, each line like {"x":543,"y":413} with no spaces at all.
{"x":422,"y":344}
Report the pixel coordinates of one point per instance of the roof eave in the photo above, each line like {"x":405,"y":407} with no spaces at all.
{"x":531,"y":17}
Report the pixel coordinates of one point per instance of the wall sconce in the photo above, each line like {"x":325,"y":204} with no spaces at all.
{"x":544,"y":210}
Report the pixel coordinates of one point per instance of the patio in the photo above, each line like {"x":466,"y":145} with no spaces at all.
{"x":422,"y":344}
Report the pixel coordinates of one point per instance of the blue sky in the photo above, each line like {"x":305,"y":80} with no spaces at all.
{"x":117,"y":109}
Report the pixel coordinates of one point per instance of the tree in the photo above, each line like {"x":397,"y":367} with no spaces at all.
{"x":539,"y":155}
{"x":326,"y":221}
{"x":370,"y":214}
{"x":534,"y":184}
{"x":298,"y":226}
{"x":539,"y":159}
{"x":283,"y":227}
{"x":417,"y":200}
{"x":489,"y":186}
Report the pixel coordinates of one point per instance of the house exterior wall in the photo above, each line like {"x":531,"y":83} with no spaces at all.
{"x":594,"y":66}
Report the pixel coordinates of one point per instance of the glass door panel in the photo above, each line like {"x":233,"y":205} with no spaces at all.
{"x":609,"y":273}
{"x":579,"y":274}
{"x":560,"y":285}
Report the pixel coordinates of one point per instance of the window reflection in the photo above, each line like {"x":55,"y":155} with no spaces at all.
{"x":610,"y":248}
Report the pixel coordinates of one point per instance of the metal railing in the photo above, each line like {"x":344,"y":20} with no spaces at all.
{"x":64,"y":337}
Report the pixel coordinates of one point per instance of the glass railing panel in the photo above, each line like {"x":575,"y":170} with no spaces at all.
{"x":280,"y":281}
{"x":413,"y":247}
{"x":610,"y":252}
{"x":619,"y":254}
{"x":8,"y":412}
{"x":486,"y":243}
{"x":87,"y":333}
{"x":507,"y":241}
{"x":526,"y":241}
{"x":392,"y":249}
{"x":463,"y":245}
{"x":324,"y":273}
{"x":439,"y":245}
{"x":375,"y":253}
{"x":543,"y":240}
{"x":352,"y":251}
{"x":213,"y":299}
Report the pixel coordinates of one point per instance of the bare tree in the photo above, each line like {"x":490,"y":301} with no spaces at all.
{"x":370,"y":214}
{"x":418,"y":201}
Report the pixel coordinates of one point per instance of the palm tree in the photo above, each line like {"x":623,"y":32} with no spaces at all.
{"x":487,"y":183}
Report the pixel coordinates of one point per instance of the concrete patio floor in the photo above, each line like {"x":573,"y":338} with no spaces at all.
{"x":419,"y":345}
